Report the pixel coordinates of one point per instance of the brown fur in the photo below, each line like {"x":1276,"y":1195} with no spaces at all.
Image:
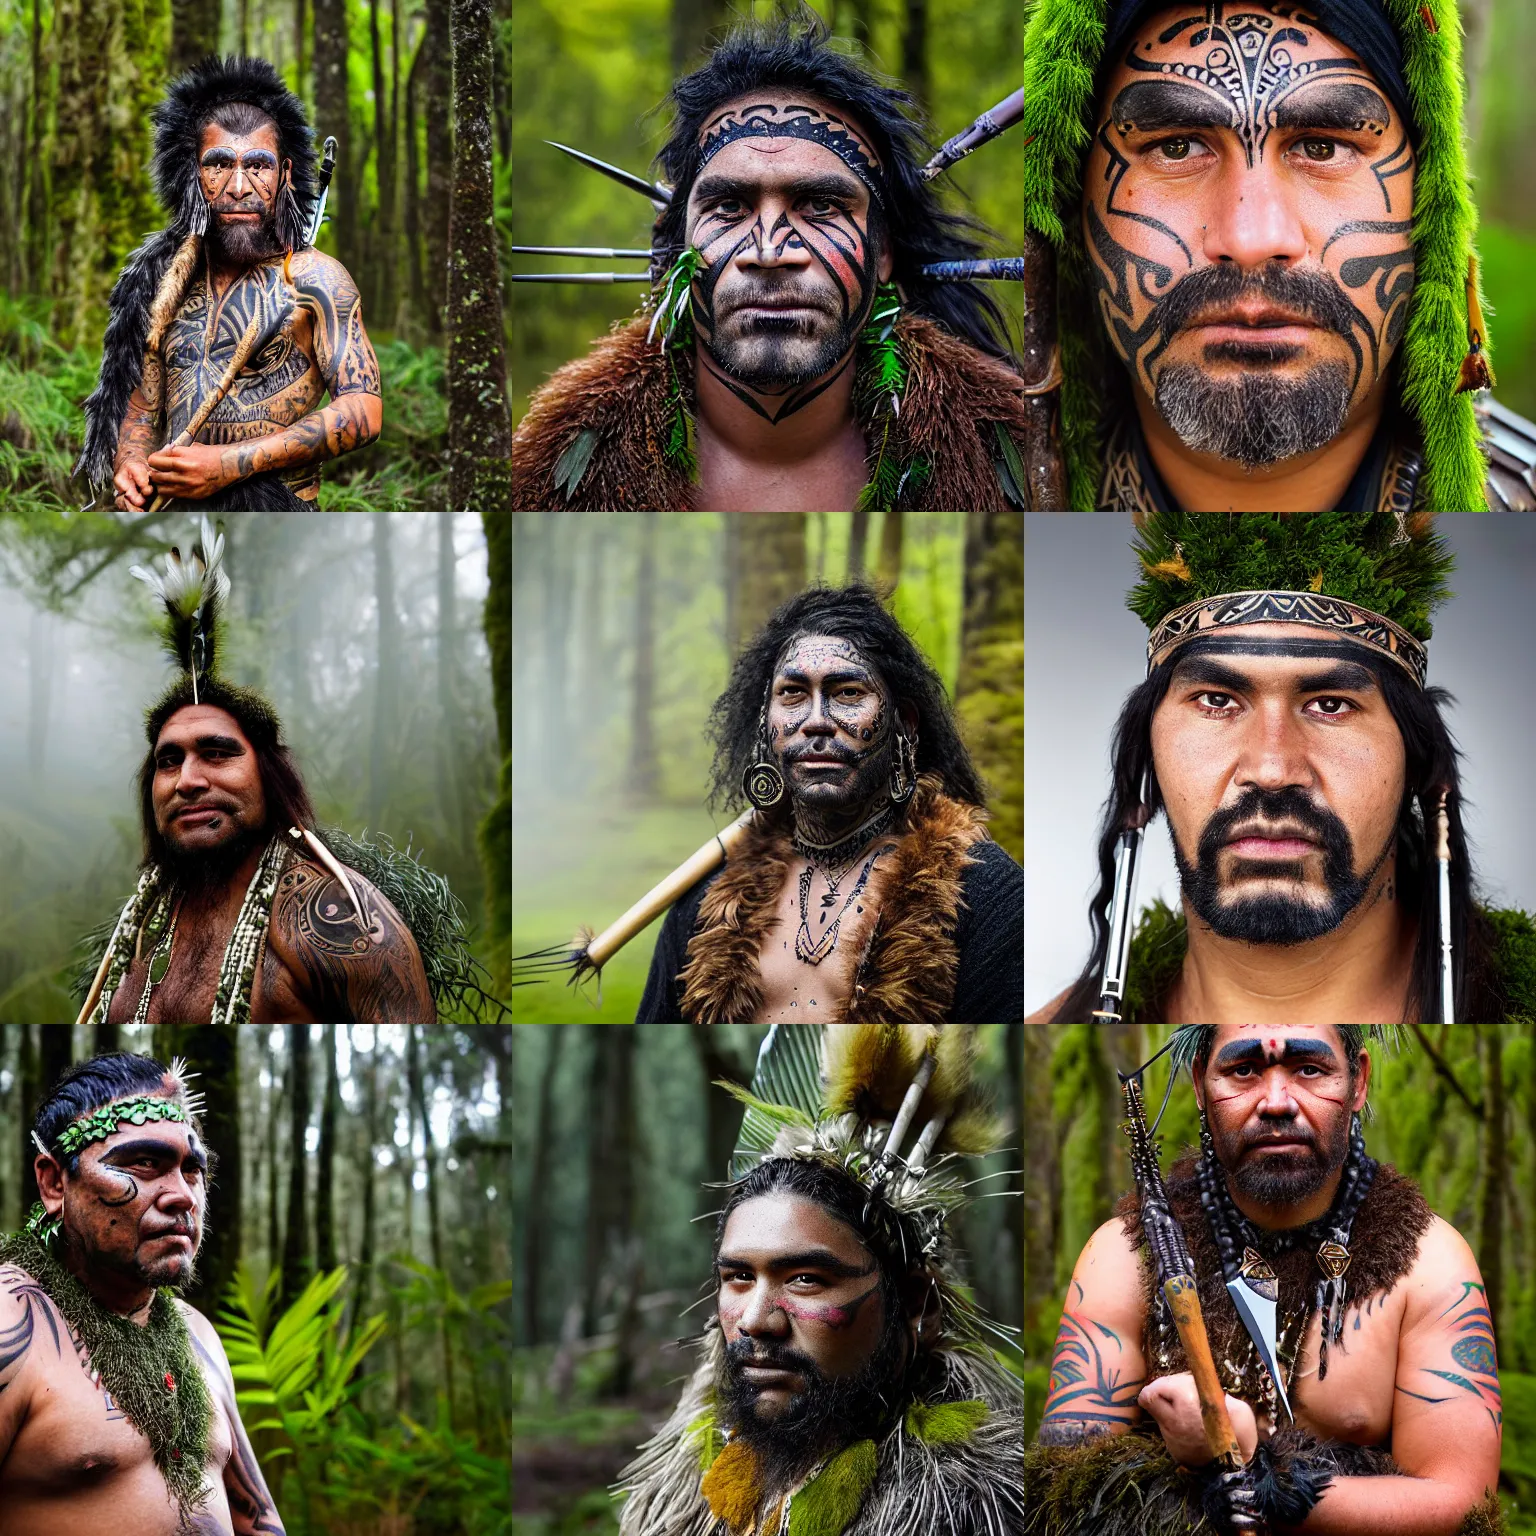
{"x":906,"y":972}
{"x":1383,"y":1246}
{"x":622,"y":386}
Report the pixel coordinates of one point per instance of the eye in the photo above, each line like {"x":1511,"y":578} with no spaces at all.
{"x":1320,"y":151}
{"x":823,"y":207}
{"x":1215,"y":701}
{"x":726,"y":206}
{"x":1180,"y":150}
{"x":1332,"y":708}
{"x":808,"y":1279}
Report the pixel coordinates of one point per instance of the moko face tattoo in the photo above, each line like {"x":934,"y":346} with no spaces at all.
{"x":782,"y":213}
{"x":1248,"y":209}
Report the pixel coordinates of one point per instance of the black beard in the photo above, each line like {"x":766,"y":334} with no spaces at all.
{"x":1284,"y":1178}
{"x":208,"y":870}
{"x":827,"y":815}
{"x":242,"y":245}
{"x":159,"y":1274}
{"x":830,"y":1411}
{"x":1275,"y":918}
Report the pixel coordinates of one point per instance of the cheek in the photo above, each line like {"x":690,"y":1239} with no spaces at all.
{"x":822,"y":1314}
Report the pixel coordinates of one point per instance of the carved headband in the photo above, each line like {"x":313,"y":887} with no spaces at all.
{"x":1336,"y":615}
{"x":804,"y":123}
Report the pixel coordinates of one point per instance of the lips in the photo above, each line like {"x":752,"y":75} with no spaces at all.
{"x":1254,"y":840}
{"x":200,"y":813}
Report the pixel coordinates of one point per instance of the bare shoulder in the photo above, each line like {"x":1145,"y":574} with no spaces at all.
{"x":315,"y":267}
{"x":1047,"y":1015}
{"x":1444,"y":1270}
{"x":1109,"y":1263}
{"x":32,"y":1334}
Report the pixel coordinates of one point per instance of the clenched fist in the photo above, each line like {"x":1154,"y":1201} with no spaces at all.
{"x":132,"y":484}
{"x":1173,"y":1402}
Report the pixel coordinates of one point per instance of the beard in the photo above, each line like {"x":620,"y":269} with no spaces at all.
{"x":177,"y":1271}
{"x":241,"y":244}
{"x":1283,"y":1177}
{"x":1254,"y":420}
{"x":773,"y":353}
{"x":1275,"y":917}
{"x":199,"y":872}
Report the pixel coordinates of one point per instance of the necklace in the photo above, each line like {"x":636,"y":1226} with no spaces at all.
{"x":814,"y":950}
{"x":843,"y":854}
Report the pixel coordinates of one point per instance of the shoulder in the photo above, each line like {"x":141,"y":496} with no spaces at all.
{"x":1444,"y":1275}
{"x":1510,"y":442}
{"x":957,"y":365}
{"x":992,"y":873}
{"x":1047,"y":1015}
{"x":312,"y":268}
{"x":205,"y":1335}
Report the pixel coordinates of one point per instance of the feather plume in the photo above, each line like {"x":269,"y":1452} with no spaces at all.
{"x":193,"y":591}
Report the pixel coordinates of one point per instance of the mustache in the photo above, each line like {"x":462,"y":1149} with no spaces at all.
{"x":1312,"y":293}
{"x":1290,"y":1130}
{"x":1280,"y":806}
{"x":740,"y":1353}
{"x":180,"y":1229}
{"x":776,"y":293}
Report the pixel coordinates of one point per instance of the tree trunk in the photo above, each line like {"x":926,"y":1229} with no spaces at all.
{"x":450,"y":731}
{"x":274,"y":1119}
{"x":40,"y":670}
{"x":31,"y":1095}
{"x":989,"y":697}
{"x":37,"y":168}
{"x":1493,"y":1182}
{"x":245,"y":27}
{"x":419,"y":1097}
{"x":367,"y":1173}
{"x":82,"y":157}
{"x":325,"y":1172}
{"x":692,"y":23}
{"x":386,"y":697}
{"x":301,"y":46}
{"x":722,"y":1113}
{"x":383,"y":296}
{"x":914,"y":52}
{"x":437,"y":82}
{"x":496,"y":828}
{"x":298,"y":1261}
{"x":419,"y":308}
{"x":890,"y":550}
{"x":858,"y":539}
{"x":479,"y":410}
{"x":538,"y":1184}
{"x":107,"y":1037}
{"x":194,"y":32}
{"x":56,"y":1050}
{"x":769,"y":562}
{"x":611,"y":1154}
{"x":642,"y":773}
{"x":332,"y":117}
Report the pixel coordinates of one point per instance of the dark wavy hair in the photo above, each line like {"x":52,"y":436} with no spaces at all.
{"x":1432,"y":762}
{"x":794,"y":52}
{"x":853,"y":613}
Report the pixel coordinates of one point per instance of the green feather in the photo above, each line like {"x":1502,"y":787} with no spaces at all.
{"x":571,"y":466}
{"x":945,"y":1423}
{"x":1010,"y":467}
{"x":704,"y":1435}
{"x":827,"y":1505}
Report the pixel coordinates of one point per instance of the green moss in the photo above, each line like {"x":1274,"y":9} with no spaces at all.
{"x":826,"y":1506}
{"x":945,"y":1423}
{"x":705,"y":1437}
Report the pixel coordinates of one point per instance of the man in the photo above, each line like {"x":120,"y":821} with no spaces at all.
{"x":868,"y":887}
{"x":117,"y":1404}
{"x":232,"y":282}
{"x":786,"y":374}
{"x":844,"y":1388}
{"x":1382,"y":1337}
{"x":1268,"y":294}
{"x":242,"y":911}
{"x":1311,"y":786}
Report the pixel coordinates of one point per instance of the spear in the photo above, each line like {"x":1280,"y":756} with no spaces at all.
{"x":608,"y":251}
{"x":986,"y":128}
{"x":658,"y":192}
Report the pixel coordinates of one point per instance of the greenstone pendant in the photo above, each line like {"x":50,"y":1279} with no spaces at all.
{"x":158,"y":966}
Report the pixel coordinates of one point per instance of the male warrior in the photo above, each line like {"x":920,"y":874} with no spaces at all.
{"x":227,"y":327}
{"x":242,"y":911}
{"x":1381,"y":1337}
{"x":868,"y":887}
{"x":1311,"y":786}
{"x":117,"y":1405}
{"x":846,"y":1387}
{"x":799,"y":358}
{"x":1268,"y":292}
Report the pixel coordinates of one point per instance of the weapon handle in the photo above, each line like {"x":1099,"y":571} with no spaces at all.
{"x":1184,"y":1303}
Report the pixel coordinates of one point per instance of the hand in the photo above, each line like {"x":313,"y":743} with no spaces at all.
{"x":1174,"y":1403}
{"x":191,"y":473}
{"x":131,"y":482}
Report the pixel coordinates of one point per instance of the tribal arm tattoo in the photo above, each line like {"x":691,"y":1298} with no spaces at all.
{"x":361,"y":968}
{"x":1473,"y":1368}
{"x":348,"y":423}
{"x":139,"y":435}
{"x":1088,"y":1396}
{"x":250,"y":1501}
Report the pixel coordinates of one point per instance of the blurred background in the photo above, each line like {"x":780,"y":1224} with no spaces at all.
{"x":373,"y":636}
{"x":620,"y":1145}
{"x":1453,"y":1110}
{"x":590,"y":74}
{"x":624,"y":629}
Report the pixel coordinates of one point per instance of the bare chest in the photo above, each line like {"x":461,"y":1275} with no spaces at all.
{"x":820,"y":928}
{"x":828,"y":482}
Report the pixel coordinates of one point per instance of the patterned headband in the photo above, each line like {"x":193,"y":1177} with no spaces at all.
{"x":1339,"y":617}
{"x":799,"y":122}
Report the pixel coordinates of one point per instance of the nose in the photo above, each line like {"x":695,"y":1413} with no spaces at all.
{"x":763,"y":1317}
{"x":177,"y":1194}
{"x":1278,"y":1104}
{"x":776,"y":242}
{"x":1273,"y":753}
{"x":1252,"y":219}
{"x":191,"y":778}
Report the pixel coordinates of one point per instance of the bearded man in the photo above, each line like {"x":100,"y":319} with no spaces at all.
{"x":1268,"y":292}
{"x":845,"y":1386}
{"x":227,"y":327}
{"x":868,"y":887}
{"x":1368,"y":1406}
{"x":117,"y":1404}
{"x":1287,"y":729}
{"x":800,"y":357}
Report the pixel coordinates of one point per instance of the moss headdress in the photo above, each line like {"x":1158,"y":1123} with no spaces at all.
{"x":1063,"y":51}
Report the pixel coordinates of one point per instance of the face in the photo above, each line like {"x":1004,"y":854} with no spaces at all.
{"x":207,"y":789}
{"x":136,"y":1206}
{"x":241,"y":177}
{"x":1248,"y":204}
{"x":1283,"y":771}
{"x":1279,"y":1107}
{"x":831,"y":723}
{"x":801,"y":1310}
{"x":791,"y":253}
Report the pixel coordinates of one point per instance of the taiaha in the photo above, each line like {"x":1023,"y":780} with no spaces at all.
{"x":1443,"y":860}
{"x":1117,"y":957}
{"x":986,"y":128}
{"x":608,"y":251}
{"x":996,"y":269}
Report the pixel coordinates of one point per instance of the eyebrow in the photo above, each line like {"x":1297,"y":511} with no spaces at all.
{"x":812,"y":1258}
{"x":1241,"y":1052}
{"x":742,"y":188}
{"x":1343,"y":676}
{"x":160,"y":1151}
{"x":204,"y":744}
{"x":1151,"y":105}
{"x":829,"y":680}
{"x":1338,"y":105}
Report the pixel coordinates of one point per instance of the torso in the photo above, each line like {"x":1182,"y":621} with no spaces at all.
{"x":828,"y":482}
{"x":795,"y":991}
{"x":274,"y":390}
{"x":1355,"y":1401}
{"x":76,"y":1463}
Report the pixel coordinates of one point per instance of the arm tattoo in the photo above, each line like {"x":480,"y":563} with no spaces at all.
{"x":250,"y":1501}
{"x":1473,"y":1355}
{"x":354,"y":968}
{"x":15,"y":1342}
{"x":1087,"y":1397}
{"x":342,"y":348}
{"x":325,"y":434}
{"x":139,"y":435}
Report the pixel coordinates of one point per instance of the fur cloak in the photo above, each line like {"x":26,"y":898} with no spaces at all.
{"x":907,"y":967}
{"x":956,"y":397}
{"x":178,"y":124}
{"x":959,"y":1483}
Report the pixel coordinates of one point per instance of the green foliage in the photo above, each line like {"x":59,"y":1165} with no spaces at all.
{"x":1508,"y":259}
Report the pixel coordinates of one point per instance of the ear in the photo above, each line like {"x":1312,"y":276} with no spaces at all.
{"x":1362,"y":1083}
{"x":920,"y":1295}
{"x":50,"y":1183}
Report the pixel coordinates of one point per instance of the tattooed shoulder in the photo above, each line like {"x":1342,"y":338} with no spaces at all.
{"x":342,"y":348}
{"x":353,"y":965}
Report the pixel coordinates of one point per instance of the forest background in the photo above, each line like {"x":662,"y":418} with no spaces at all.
{"x":419,"y":212}
{"x":382,"y":642}
{"x":625,"y":626}
{"x":620,"y":1142}
{"x":357,"y":1259}
{"x":586,"y":73}
{"x":590,"y":74}
{"x":1455,"y":1110}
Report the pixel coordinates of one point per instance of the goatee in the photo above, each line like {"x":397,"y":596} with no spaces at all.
{"x":203,"y":871}
{"x":241,"y":244}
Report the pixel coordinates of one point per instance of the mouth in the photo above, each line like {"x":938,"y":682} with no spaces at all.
{"x":820,"y":762}
{"x":170,"y":1237}
{"x":768,"y":1375}
{"x":1259,"y":843}
{"x":237,"y":213}
{"x":199,"y":816}
{"x":1262,"y":323}
{"x":1279,"y":1146}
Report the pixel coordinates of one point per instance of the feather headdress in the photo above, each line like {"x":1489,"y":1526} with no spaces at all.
{"x":194,"y":592}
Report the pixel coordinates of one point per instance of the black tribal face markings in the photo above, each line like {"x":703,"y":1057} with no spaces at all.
{"x":1243,"y":159}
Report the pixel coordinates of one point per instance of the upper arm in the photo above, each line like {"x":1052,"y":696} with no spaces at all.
{"x":361,"y":968}
{"x":18,"y":1335}
{"x":343,"y":352}
{"x":1448,"y":1414}
{"x":1099,"y":1366}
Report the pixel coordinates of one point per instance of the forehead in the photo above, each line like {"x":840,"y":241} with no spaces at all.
{"x":177,"y":1135}
{"x":816,"y":655}
{"x":1277,"y":1042}
{"x":195,"y":720}
{"x":215,"y":137}
{"x":784,"y":1223}
{"x":1275,"y":654}
{"x":1224,"y":37}
{"x":764,"y":156}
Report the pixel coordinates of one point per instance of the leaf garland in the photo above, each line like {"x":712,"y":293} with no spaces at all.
{"x":883,"y":379}
{"x":674,"y":296}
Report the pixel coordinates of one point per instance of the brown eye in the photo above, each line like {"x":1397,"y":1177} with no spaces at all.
{"x":1175,"y":149}
{"x":1319,"y":150}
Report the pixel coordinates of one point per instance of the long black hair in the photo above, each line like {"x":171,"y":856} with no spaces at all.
{"x":853,"y":613}
{"x":793,"y":52}
{"x":1432,"y":764}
